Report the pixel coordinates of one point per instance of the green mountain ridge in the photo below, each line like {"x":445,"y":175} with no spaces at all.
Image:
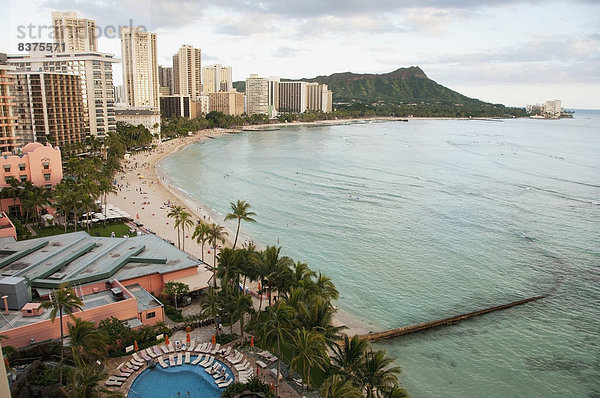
{"x":402,"y":86}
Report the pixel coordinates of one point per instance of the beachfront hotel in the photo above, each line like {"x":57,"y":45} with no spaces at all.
{"x":187,"y":71}
{"x":40,"y":164}
{"x":96,"y":80}
{"x":216,"y":78}
{"x":292,"y":97}
{"x":118,"y":277}
{"x":227,"y":102}
{"x":76,"y":34}
{"x":50,"y":108}
{"x":140,"y":67}
{"x":8,"y":120}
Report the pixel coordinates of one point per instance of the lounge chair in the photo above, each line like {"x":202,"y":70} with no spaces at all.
{"x":121,"y":374}
{"x":123,"y":368}
{"x":117,"y":378}
{"x":158,"y":351}
{"x":203,"y":361}
{"x":216,"y":349}
{"x":145,"y":355}
{"x":214,"y":368}
{"x":211,"y":360}
{"x":172,"y":360}
{"x":197,"y":360}
{"x":131,"y":366}
{"x":113,"y":383}
{"x":165,"y":349}
{"x":137,"y":358}
{"x":187,"y":357}
{"x":225,"y":383}
{"x":179,"y":359}
{"x":235,"y":358}
{"x":191,"y":345}
{"x":227,"y":352}
{"x":242,"y":366}
{"x":170,"y":347}
{"x":151,"y":353}
{"x":162,"y":362}
{"x":200,"y":347}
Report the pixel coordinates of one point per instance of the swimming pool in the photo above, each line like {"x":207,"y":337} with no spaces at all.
{"x":183,"y":381}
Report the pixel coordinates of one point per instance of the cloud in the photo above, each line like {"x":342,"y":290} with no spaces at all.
{"x":286,"y":52}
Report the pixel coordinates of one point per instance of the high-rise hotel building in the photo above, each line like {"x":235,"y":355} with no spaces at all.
{"x":50,"y":108}
{"x":77,"y":34}
{"x":187,"y":71}
{"x":94,"y":70}
{"x":140,"y":67}
{"x":292,"y":97}
{"x":318,"y":97}
{"x":262,"y":95}
{"x":216,"y":78}
{"x":8,"y":120}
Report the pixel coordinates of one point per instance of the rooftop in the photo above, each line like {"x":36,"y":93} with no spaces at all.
{"x":78,"y":258}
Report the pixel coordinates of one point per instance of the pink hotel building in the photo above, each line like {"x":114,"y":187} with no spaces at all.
{"x":118,"y":277}
{"x":40,"y":164}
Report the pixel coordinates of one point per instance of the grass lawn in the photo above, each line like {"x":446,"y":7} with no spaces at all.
{"x":119,"y":228}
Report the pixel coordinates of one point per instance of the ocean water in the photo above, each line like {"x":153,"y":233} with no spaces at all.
{"x":427,"y":219}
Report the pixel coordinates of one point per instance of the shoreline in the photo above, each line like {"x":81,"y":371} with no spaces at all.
{"x":145,"y":192}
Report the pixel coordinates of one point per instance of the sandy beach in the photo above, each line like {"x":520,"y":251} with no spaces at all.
{"x":146,"y":195}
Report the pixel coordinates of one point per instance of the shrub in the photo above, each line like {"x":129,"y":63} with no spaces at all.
{"x":254,"y":385}
{"x":47,"y":377}
{"x":173,"y":313}
{"x":225,"y":338}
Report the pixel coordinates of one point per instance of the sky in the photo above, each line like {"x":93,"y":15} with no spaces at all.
{"x":513,"y":52}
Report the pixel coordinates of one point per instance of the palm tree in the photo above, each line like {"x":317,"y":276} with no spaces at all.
{"x":216,"y":234}
{"x":309,"y":350}
{"x":84,"y":379}
{"x":211,"y":306}
{"x":174,"y":213}
{"x":228,"y":270}
{"x":201,"y":235}
{"x":64,"y":300}
{"x":276,"y":270}
{"x":244,"y":306}
{"x":240,"y":212}
{"x":185,"y":220}
{"x":274,"y":326}
{"x":66,"y":199}
{"x":395,"y":392}
{"x":348,"y":355}
{"x":105,"y":187}
{"x":86,"y":339}
{"x":377,"y":375}
{"x":336,"y":386}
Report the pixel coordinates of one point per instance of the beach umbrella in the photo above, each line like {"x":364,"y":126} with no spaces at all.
{"x":135,"y":345}
{"x":137,"y":216}
{"x":187,"y":338}
{"x":252,"y":342}
{"x":167,"y":339}
{"x":214,"y":340}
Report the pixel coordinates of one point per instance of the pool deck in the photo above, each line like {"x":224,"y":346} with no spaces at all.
{"x":204,"y":335}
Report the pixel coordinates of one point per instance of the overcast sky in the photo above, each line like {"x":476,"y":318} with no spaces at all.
{"x":501,"y":51}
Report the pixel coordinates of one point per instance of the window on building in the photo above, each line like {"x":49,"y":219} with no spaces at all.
{"x":7,"y":168}
{"x":150,"y":315}
{"x":46,"y":177}
{"x":46,"y":165}
{"x":23,"y":178}
{"x":22,"y":166}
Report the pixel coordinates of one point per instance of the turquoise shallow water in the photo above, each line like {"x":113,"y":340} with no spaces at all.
{"x":427,"y":219}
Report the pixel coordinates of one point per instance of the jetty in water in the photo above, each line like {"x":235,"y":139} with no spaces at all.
{"x":388,"y":334}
